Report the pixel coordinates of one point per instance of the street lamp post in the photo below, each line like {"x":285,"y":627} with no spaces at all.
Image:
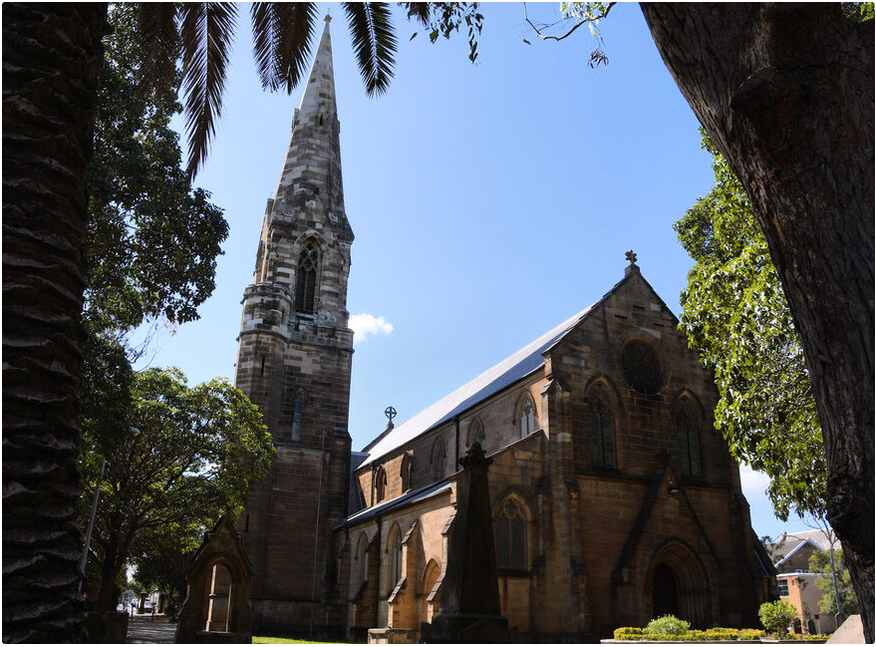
{"x":94,"y":503}
{"x":91,"y":519}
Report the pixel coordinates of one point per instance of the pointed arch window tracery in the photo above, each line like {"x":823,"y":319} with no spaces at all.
{"x":379,"y":484}
{"x":476,"y":434}
{"x":305,"y":281}
{"x":407,"y":466}
{"x":602,"y":449}
{"x":527,"y":417}
{"x":511,"y":534}
{"x":689,"y":442}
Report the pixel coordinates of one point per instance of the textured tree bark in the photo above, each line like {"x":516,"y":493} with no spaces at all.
{"x":786,"y":93}
{"x":51,"y":57}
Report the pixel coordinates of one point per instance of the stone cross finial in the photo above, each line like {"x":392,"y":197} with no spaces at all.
{"x":631,"y":257}
{"x":390,"y":413}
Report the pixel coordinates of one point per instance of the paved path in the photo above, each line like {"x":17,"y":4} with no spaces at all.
{"x":143,"y":629}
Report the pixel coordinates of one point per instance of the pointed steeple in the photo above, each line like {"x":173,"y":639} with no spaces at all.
{"x":313,"y":161}
{"x":320,"y":89}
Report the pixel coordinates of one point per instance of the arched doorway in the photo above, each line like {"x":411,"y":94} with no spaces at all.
{"x":677,"y":584}
{"x":664,"y":595}
{"x":218,"y":593}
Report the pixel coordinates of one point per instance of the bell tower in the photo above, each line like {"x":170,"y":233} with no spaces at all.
{"x":293,"y":361}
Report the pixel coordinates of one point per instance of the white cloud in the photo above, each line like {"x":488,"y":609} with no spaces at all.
{"x":754,"y":484}
{"x":365,"y":325}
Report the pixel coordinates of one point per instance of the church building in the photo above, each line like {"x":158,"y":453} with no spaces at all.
{"x":613,"y":498}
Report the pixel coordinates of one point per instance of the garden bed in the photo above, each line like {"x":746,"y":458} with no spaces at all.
{"x":717,"y":634}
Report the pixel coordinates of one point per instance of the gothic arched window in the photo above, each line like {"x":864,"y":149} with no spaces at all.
{"x":527,"y":417}
{"x":297,"y":415}
{"x":379,"y":484}
{"x":601,"y":432}
{"x":305,"y":282}
{"x":511,"y":535}
{"x":439,"y":459}
{"x":688,"y":443}
{"x":407,"y":466}
{"x":475,"y":434}
{"x":394,"y":549}
{"x":362,"y":557}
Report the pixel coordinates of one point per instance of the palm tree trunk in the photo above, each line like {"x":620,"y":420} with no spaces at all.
{"x":786,"y":93}
{"x":51,"y":57}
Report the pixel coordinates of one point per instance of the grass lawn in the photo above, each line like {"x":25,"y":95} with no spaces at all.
{"x":270,"y":640}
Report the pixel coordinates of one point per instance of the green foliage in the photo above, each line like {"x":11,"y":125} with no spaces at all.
{"x":858,"y":11}
{"x":589,"y":13}
{"x":692,"y":635}
{"x":629,"y":633}
{"x":153,"y":239}
{"x":194,"y":451}
{"x":776,"y":616}
{"x":162,"y":556}
{"x":736,"y":317}
{"x":444,"y":18}
{"x":668,"y":625}
{"x":819,"y":562}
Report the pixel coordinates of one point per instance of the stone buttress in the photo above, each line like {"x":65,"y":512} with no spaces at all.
{"x":294,"y":358}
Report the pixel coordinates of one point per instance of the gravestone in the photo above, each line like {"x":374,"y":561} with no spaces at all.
{"x":217,"y":607}
{"x":470,"y":610}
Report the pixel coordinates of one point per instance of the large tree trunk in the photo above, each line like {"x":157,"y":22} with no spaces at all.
{"x":111,"y":566}
{"x":51,"y":57}
{"x":786,"y":93}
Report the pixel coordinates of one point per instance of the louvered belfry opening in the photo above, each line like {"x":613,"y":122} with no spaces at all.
{"x":305,"y":285}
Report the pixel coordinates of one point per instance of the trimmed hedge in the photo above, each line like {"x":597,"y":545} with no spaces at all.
{"x":708,"y":635}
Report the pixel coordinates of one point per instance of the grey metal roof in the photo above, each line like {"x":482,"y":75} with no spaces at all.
{"x":410,"y":498}
{"x":517,"y":366}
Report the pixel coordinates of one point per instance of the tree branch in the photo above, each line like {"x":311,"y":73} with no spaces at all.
{"x":538,"y":33}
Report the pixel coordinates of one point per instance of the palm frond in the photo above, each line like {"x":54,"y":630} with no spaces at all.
{"x":158,"y":44}
{"x":282,"y":37}
{"x":206,"y":31}
{"x":374,"y":42}
{"x":419,"y":10}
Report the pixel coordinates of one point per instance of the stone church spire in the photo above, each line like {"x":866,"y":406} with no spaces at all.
{"x":313,"y":160}
{"x":294,"y":360}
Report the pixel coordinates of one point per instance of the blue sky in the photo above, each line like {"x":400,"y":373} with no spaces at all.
{"x":490,"y":202}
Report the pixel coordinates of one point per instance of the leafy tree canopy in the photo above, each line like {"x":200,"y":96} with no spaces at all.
{"x":153,"y":238}
{"x":737,"y":318}
{"x":186,"y":460}
{"x":819,"y":562}
{"x":162,"y":556}
{"x":153,"y":241}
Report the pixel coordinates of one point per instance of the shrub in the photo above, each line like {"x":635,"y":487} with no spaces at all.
{"x":776,"y":616}
{"x":750,"y":634}
{"x":718,"y":633}
{"x":668,"y":625}
{"x":629,"y":633}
